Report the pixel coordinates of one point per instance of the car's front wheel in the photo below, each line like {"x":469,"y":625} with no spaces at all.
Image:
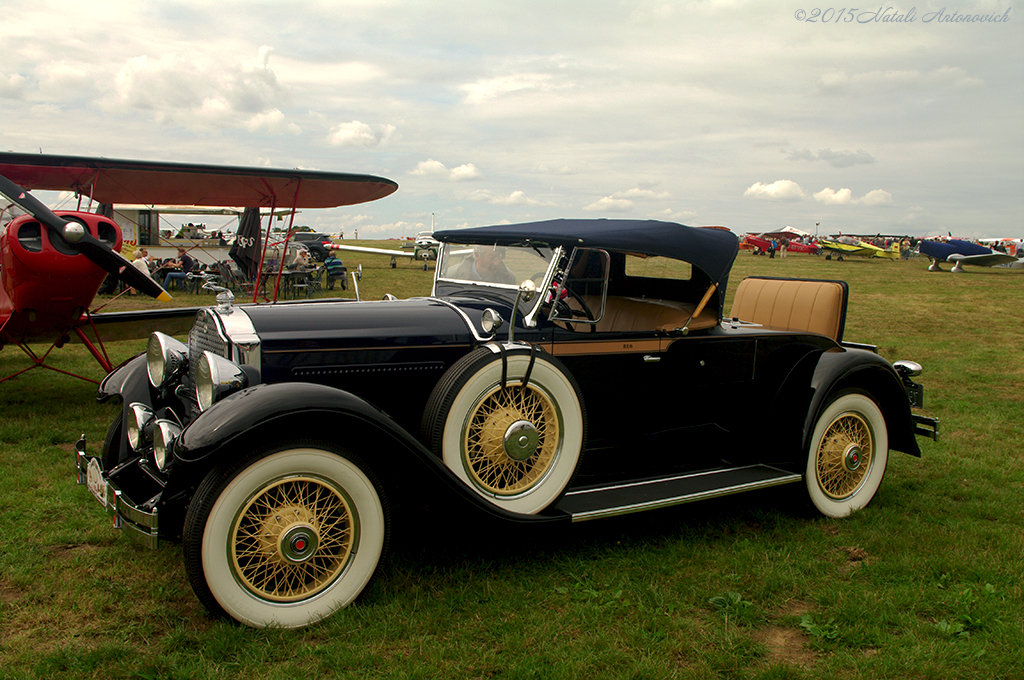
{"x":847,"y":456}
{"x":284,"y":537}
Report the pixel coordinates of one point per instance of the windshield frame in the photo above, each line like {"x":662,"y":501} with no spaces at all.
{"x":552,"y":258}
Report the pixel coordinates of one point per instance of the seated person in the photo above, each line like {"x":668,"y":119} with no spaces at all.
{"x":180,"y":268}
{"x":335,"y":271}
{"x":300,"y":261}
{"x":487,"y":264}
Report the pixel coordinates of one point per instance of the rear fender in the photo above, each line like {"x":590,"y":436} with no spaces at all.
{"x":843,"y":369}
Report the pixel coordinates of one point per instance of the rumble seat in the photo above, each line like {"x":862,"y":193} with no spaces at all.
{"x":793,"y":305}
{"x":625,"y":314}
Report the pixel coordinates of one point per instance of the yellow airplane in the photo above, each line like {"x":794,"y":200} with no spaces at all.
{"x":846,"y":246}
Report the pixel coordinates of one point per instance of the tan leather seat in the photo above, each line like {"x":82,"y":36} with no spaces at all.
{"x":793,"y":305}
{"x":629,"y":314}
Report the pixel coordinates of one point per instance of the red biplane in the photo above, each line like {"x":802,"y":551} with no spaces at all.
{"x":52,"y":263}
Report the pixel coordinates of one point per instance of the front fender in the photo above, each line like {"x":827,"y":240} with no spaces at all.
{"x":276,"y":413}
{"x":130,"y":381}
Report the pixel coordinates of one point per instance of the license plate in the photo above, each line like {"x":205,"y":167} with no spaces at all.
{"x":94,"y":480}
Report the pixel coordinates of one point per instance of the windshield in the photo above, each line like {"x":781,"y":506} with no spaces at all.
{"x":492,"y":265}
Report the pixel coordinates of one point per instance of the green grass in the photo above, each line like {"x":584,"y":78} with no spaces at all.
{"x":925,"y":583}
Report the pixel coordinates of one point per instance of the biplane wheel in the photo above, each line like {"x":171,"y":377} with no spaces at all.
{"x":284,"y":537}
{"x":516,"y":446}
{"x":847,"y":455}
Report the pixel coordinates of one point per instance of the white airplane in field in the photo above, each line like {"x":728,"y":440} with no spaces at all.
{"x":425,"y":248}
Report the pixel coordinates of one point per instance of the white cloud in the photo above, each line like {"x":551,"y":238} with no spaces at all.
{"x":548,"y":170}
{"x":462,"y":173}
{"x":638,"y":192}
{"x":779,"y":190}
{"x":609,"y":204}
{"x":876,"y":197}
{"x":429,"y":167}
{"x":465,"y":173}
{"x":492,"y":88}
{"x":356,"y":133}
{"x":196,"y":90}
{"x":837,"y":159}
{"x":12,"y":86}
{"x":272,"y":122}
{"x":670,"y":215}
{"x":827,"y":195}
{"x":516,"y":198}
{"x":63,"y":78}
{"x":944,"y":78}
{"x":845,"y":197}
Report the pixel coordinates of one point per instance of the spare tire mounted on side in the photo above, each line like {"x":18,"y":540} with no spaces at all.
{"x":510,"y":422}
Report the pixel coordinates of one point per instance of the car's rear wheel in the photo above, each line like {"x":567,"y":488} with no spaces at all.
{"x":517,"y":445}
{"x":284,"y":537}
{"x":847,"y":456}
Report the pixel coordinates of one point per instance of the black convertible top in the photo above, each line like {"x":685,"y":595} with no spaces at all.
{"x":711,"y":250}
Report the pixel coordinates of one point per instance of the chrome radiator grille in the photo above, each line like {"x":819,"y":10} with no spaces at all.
{"x":204,"y":336}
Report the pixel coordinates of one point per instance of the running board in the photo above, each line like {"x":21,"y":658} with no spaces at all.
{"x":662,"y":492}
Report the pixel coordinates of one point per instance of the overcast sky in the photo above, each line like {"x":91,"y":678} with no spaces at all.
{"x":717,"y":112}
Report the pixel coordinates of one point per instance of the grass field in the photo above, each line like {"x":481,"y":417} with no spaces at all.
{"x":924,"y":583}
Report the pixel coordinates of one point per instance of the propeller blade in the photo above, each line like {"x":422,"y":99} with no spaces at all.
{"x":80,"y":239}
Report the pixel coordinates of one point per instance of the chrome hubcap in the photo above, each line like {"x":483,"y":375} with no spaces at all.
{"x":521,"y":440}
{"x":852,"y":458}
{"x":298,"y":543}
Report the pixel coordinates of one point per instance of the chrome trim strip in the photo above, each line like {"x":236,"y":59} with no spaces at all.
{"x":465,"y":318}
{"x":530,"y":319}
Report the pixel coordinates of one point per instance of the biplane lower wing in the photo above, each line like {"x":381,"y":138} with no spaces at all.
{"x":140,"y":324}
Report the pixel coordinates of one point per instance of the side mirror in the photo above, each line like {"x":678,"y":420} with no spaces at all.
{"x":527,"y":290}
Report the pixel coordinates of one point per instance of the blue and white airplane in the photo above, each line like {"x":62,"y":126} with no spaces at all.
{"x":961,"y":253}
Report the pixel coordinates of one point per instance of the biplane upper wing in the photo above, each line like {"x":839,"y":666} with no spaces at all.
{"x":157,"y":183}
{"x":109,"y":181}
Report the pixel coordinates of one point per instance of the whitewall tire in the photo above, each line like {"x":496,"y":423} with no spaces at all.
{"x":284,"y":538}
{"x":847,"y":456}
{"x":516,"y":446}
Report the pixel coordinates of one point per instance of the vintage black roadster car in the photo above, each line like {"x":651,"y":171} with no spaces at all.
{"x":560,"y":371}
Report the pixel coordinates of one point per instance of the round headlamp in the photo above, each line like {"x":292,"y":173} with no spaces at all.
{"x":164,"y":434}
{"x":216,"y":377}
{"x":139,"y":425}
{"x":165,"y":358}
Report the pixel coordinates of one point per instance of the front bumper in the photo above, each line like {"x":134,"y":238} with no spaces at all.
{"x":139,"y":523}
{"x":926,"y":427}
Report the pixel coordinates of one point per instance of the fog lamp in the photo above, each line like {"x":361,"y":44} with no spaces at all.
{"x":164,"y":434}
{"x":139,"y":425}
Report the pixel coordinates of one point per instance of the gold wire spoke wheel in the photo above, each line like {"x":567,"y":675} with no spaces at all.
{"x":511,"y":439}
{"x":292,"y":539}
{"x":845,"y":456}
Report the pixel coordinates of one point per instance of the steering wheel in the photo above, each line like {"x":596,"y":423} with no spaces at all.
{"x":565,"y":312}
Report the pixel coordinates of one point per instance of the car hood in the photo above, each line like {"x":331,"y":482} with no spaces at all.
{"x":344,"y":324}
